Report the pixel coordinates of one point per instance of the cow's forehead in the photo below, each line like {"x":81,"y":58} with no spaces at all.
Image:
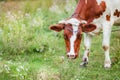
{"x":72,"y":21}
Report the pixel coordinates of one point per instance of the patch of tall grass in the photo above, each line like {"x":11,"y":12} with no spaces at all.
{"x":24,"y":30}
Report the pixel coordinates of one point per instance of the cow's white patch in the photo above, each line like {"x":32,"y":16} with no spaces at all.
{"x":72,"y":40}
{"x":72,"y":21}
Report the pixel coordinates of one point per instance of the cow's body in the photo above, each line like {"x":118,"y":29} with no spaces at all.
{"x":101,"y":14}
{"x":105,"y":23}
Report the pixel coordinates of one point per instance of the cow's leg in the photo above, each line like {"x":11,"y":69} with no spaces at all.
{"x":106,"y":43}
{"x":87,"y":44}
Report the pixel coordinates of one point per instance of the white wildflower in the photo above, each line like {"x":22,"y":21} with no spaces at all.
{"x":55,"y":8}
{"x":18,"y":70}
{"x":10,"y":16}
{"x":7,"y":68}
{"x":27,"y":14}
{"x":21,"y":67}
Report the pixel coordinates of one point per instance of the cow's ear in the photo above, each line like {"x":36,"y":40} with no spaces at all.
{"x":88,"y":27}
{"x":57,"y":27}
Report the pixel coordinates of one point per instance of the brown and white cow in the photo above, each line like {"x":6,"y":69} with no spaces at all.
{"x":90,"y":17}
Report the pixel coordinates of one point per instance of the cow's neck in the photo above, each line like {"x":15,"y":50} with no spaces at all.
{"x":78,"y":13}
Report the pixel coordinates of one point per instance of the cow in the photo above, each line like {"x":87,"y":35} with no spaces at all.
{"x":89,"y":17}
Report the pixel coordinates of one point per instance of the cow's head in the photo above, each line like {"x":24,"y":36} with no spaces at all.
{"x":73,"y":30}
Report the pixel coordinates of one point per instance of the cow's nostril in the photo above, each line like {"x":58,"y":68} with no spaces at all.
{"x":72,"y":56}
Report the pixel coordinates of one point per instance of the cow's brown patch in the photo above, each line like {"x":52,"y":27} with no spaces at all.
{"x":89,"y":11}
{"x":117,"y":13}
{"x":105,"y":48}
{"x":67,"y":35}
{"x":78,"y":41}
{"x":108,"y":17}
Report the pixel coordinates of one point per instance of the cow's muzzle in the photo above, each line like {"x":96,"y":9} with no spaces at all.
{"x":72,"y":56}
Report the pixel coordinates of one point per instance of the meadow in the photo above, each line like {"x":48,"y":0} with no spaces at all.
{"x":30,"y":51}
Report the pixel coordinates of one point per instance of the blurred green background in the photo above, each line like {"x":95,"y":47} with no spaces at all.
{"x":30,"y":51}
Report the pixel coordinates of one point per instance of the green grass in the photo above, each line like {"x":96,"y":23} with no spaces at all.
{"x":30,"y":51}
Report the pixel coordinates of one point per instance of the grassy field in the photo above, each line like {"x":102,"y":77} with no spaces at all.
{"x":30,"y":51}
